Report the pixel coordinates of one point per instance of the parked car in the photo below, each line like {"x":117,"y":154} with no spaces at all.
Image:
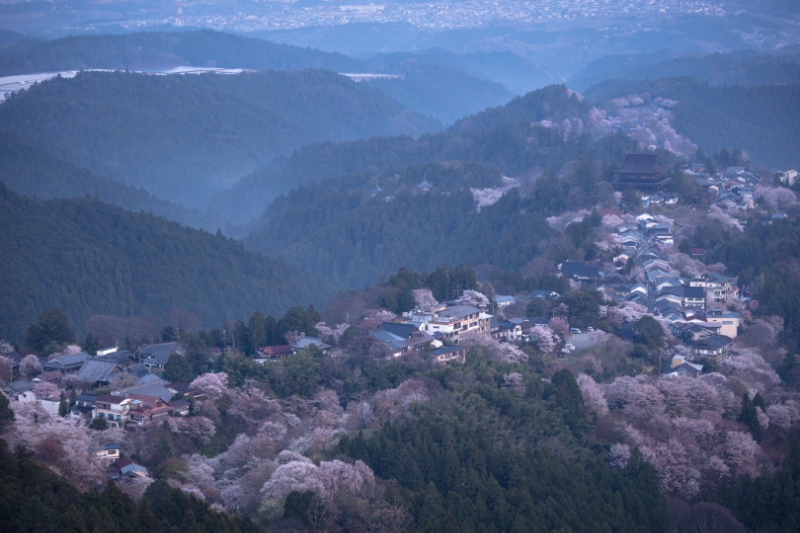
{"x":590,"y":328}
{"x":574,"y":330}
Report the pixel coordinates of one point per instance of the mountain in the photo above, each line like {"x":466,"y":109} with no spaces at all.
{"x":31,"y":171}
{"x":12,"y":42}
{"x":88,"y":258}
{"x":509,"y":142}
{"x":738,"y":68}
{"x":440,"y":92}
{"x":183,"y":137}
{"x":166,"y":49}
{"x":339,"y":229}
{"x":516,"y":73}
{"x":761,"y":120}
{"x":554,"y":103}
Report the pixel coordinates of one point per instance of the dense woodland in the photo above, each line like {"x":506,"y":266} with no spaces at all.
{"x":745,"y":68}
{"x":184,"y":137}
{"x":440,"y":92}
{"x":31,"y":171}
{"x":760,"y":120}
{"x":508,"y":143}
{"x":159,"y":49}
{"x":89,"y":258}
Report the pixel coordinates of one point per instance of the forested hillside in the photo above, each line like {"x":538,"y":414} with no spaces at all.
{"x":513,"y":146}
{"x":737,"y":68}
{"x":165,"y":49}
{"x":760,"y":120}
{"x":32,"y":498}
{"x":554,"y":103}
{"x":89,"y":258}
{"x":31,"y":171}
{"x":346,"y":229}
{"x":441,"y":92}
{"x":184,"y":137}
{"x":516,"y":73}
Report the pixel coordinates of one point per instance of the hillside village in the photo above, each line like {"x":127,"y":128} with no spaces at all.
{"x":645,"y":292}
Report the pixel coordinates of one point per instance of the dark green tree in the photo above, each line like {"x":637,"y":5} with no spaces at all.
{"x":52,"y":327}
{"x":748,"y":415}
{"x":91,"y":344}
{"x":6,"y":414}
{"x":63,"y":405}
{"x":178,"y":369}
{"x":631,"y":198}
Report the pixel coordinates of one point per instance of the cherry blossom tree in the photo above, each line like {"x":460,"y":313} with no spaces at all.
{"x":196,"y":427}
{"x":612,"y":221}
{"x":424,"y":299}
{"x":545,"y":339}
{"x":618,"y":456}
{"x":559,"y":326}
{"x":593,"y":396}
{"x":211,"y":384}
{"x":502,"y":351}
{"x":776,"y":197}
{"x":392,"y":403}
{"x":30,"y":366}
{"x":44,"y":390}
{"x":474,"y":298}
{"x":727,"y":221}
{"x":251,"y":404}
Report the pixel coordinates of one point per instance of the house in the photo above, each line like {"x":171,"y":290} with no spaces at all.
{"x":787,"y":177}
{"x":694,"y":297}
{"x":697,"y":252}
{"x":154,"y":389}
{"x":729,"y":322}
{"x":506,"y":329}
{"x":274,"y":353}
{"x":715,"y":346}
{"x":448,"y":354}
{"x":541,"y":294}
{"x":149,"y":412}
{"x":424,"y":186}
{"x":97,"y":373}
{"x":670,"y":200}
{"x":402,"y":338}
{"x":642,"y":171}
{"x":106,"y":452}
{"x":580,"y":271}
{"x":114,"y":409}
{"x":20,"y":390}
{"x":125,"y":468}
{"x":85,"y":405}
{"x":304,"y":342}
{"x":54,"y":376}
{"x":679,"y":366}
{"x":180,"y":407}
{"x":718,"y":287}
{"x":451,"y":321}
{"x":68,"y":364}
{"x":157,"y":355}
{"x":503,"y":301}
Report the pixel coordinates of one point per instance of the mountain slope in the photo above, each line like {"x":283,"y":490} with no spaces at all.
{"x":163,"y":49}
{"x":184,"y":137}
{"x":441,"y":92}
{"x":740,"y":68}
{"x":90,"y":258}
{"x":509,"y":143}
{"x":28,"y":170}
{"x":760,"y":120}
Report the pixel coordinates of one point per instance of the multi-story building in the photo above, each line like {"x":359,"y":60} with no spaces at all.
{"x":450,"y":322}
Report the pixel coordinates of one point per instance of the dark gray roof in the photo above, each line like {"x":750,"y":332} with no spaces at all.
{"x":694,"y":292}
{"x":159,"y":352}
{"x":94,"y":371}
{"x":66,"y":362}
{"x":150,"y":389}
{"x":713,"y":342}
{"x":458,"y":311}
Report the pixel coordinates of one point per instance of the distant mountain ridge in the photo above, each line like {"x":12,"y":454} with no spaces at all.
{"x":498,"y":136}
{"x":745,"y":68}
{"x":151,"y":49}
{"x":184,"y":137}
